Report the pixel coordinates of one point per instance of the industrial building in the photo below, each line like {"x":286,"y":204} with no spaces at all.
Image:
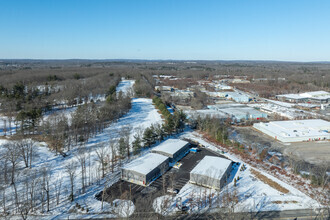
{"x":211,"y":172}
{"x":204,"y":113}
{"x":297,"y":130}
{"x":238,"y":112}
{"x":145,"y":169}
{"x":316,"y":96}
{"x":175,"y":149}
{"x":238,"y":97}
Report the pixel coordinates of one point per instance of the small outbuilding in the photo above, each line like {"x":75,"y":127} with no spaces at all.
{"x":145,"y":169}
{"x":211,"y":172}
{"x":175,"y":149}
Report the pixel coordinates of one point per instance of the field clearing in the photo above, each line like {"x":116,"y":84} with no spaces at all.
{"x":269,"y":182}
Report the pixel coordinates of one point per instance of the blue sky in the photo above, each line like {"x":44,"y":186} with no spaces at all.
{"x":288,"y":30}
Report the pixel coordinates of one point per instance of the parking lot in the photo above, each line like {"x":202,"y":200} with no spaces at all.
{"x":175,"y":178}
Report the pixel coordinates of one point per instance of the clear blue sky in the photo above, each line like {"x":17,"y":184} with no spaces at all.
{"x":288,"y":30}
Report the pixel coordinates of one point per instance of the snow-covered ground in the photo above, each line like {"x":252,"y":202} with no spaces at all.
{"x":252,"y":193}
{"x":141,"y":115}
{"x":125,"y":86}
{"x":67,"y":112}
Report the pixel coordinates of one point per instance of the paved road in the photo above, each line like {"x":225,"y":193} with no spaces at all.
{"x":276,"y":215}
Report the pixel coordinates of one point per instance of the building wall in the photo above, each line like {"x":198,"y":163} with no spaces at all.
{"x":133,"y":177}
{"x":157,"y":172}
{"x":179,"y":154}
{"x":206,"y":181}
{"x":225,"y":176}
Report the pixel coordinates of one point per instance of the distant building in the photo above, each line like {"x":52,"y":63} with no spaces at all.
{"x":316,"y":96}
{"x":297,"y":130}
{"x":175,"y":149}
{"x":183,"y":93}
{"x":211,"y":172}
{"x":164,"y":89}
{"x":234,"y":81}
{"x":238,"y":112}
{"x":238,"y":97}
{"x":145,"y":169}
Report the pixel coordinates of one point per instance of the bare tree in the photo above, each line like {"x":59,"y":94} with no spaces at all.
{"x":46,"y":176}
{"x":70,"y":169}
{"x":82,"y":157}
{"x":58,"y":187}
{"x":27,"y":151}
{"x":101,"y":153}
{"x":12,"y":155}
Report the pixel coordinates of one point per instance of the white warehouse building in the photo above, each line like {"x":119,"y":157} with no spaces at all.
{"x":211,"y":172}
{"x":175,"y":149}
{"x":145,"y":169}
{"x":297,"y":130}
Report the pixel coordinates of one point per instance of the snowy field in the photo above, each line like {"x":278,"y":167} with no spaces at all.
{"x":141,"y":115}
{"x":125,"y":86}
{"x":67,"y":112}
{"x":252,"y":193}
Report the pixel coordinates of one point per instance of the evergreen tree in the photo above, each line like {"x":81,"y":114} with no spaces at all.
{"x":159,"y":131}
{"x":137,"y":145}
{"x":148,"y":137}
{"x":122,"y":147}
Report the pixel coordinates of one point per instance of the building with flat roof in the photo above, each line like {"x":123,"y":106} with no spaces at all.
{"x":211,"y":172}
{"x":238,"y":112}
{"x":175,"y":149}
{"x":316,"y":96}
{"x":238,"y":97}
{"x":145,"y":169}
{"x":297,"y":130}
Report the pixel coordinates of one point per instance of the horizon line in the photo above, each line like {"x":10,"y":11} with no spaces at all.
{"x":162,"y":60}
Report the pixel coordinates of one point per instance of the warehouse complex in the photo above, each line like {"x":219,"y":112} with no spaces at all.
{"x":239,"y":112}
{"x":296,"y":131}
{"x":211,"y":172}
{"x":145,"y":169}
{"x":238,"y":97}
{"x":175,"y":149}
{"x":316,"y":96}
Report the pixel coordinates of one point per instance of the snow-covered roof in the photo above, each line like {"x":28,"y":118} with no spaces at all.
{"x":171,"y":146}
{"x":315,"y":94}
{"x":237,"y":112}
{"x":297,"y":128}
{"x":312,"y":95}
{"x":292,"y":96}
{"x":211,"y":166}
{"x":146,"y":163}
{"x":206,"y":112}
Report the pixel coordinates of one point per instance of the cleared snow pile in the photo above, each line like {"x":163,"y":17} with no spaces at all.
{"x":124,"y":208}
{"x":163,"y":205}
